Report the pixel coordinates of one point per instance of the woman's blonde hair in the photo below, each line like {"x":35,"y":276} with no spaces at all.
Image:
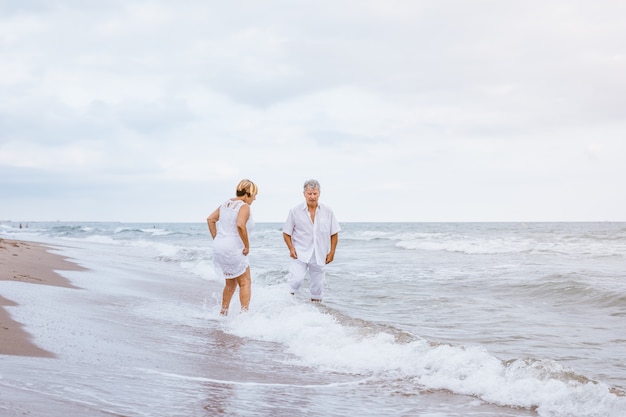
{"x":246,"y":187}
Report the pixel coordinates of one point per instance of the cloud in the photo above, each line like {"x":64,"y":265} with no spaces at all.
{"x":461,"y":110}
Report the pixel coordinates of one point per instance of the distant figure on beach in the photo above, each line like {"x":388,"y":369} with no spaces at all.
{"x":229,"y":225}
{"x":311,"y":233}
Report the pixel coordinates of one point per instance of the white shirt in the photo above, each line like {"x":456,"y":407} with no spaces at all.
{"x":309,"y":237}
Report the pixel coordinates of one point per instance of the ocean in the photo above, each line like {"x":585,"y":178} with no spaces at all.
{"x":419,"y":319}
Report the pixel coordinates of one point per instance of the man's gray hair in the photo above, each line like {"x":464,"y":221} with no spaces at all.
{"x":312,"y":184}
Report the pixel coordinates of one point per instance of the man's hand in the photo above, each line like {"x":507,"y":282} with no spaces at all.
{"x":330,"y":257}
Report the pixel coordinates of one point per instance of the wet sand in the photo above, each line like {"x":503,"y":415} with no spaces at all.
{"x":116,"y":339}
{"x":30,"y":263}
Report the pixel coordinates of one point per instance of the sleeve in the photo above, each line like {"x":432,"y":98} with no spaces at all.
{"x":334,"y":225}
{"x":289,"y":223}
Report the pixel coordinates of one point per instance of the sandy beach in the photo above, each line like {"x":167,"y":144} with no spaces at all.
{"x":117,"y":340}
{"x":31,"y":263}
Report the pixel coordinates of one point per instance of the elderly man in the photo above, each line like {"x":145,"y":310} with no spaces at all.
{"x":311,"y":234}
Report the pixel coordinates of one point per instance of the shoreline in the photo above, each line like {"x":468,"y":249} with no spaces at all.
{"x":31,"y":263}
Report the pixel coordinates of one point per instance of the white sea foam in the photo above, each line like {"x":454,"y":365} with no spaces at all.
{"x":318,"y":340}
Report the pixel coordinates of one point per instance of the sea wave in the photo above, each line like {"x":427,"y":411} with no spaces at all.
{"x":319,"y":338}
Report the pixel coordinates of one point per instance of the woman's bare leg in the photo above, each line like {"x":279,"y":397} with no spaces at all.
{"x":245,"y":289}
{"x":229,"y":290}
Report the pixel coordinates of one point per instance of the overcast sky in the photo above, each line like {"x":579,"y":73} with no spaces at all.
{"x":123,"y":110}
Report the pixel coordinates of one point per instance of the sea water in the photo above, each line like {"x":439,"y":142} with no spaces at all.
{"x":428,"y":319}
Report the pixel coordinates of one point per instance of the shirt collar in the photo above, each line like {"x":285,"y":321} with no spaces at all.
{"x":305,"y":207}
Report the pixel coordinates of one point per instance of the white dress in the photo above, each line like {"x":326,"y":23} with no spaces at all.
{"x":228,"y":258}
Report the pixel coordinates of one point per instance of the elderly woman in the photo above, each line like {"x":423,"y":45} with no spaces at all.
{"x":229,"y":225}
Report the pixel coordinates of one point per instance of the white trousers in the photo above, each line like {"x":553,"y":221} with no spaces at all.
{"x":317,"y":276}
